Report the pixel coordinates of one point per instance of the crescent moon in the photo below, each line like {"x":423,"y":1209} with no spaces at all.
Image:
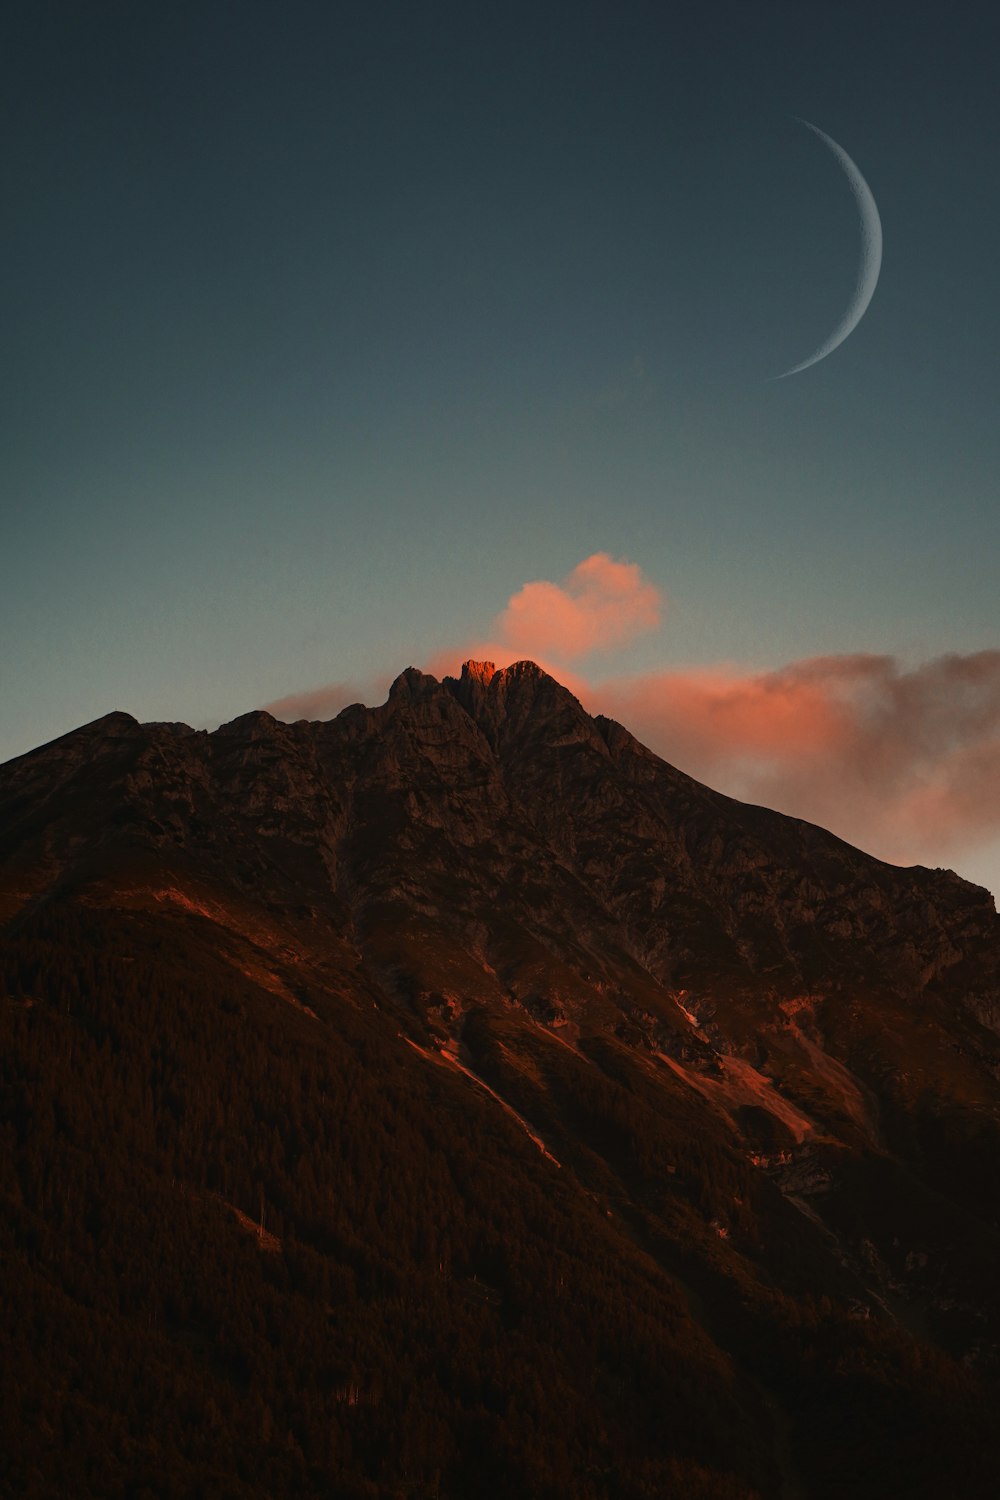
{"x":871,"y":254}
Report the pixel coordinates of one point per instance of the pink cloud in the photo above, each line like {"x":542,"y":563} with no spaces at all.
{"x":602,"y":604}
{"x":903,"y":762}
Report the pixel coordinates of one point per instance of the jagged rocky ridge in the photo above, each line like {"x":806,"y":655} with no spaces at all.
{"x":521,"y":899}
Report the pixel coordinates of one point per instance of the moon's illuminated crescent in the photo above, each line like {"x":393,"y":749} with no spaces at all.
{"x":871,"y":255}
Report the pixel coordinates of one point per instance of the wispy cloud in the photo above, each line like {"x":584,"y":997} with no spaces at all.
{"x":903,"y":761}
{"x":327,"y":701}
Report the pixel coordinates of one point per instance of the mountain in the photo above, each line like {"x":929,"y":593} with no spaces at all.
{"x":455,"y":1099}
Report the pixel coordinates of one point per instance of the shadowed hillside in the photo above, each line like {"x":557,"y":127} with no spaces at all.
{"x":453,"y":1099}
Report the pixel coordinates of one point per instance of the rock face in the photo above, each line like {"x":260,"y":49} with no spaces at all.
{"x":515,"y":825}
{"x":525,"y":901}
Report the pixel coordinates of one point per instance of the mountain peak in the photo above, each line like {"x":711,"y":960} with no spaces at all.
{"x":411,"y":685}
{"x":250,"y":725}
{"x":501,"y":699}
{"x":117,"y":719}
{"x":485,"y":675}
{"x":478,"y":671}
{"x":112,"y":726}
{"x":487,"y":672}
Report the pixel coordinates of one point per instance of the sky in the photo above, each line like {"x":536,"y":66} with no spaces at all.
{"x":335,"y":339}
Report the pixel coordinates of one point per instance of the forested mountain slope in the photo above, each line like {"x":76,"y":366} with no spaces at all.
{"x":454,"y":1099}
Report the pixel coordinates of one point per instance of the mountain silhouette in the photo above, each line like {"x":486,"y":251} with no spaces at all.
{"x":454,"y":1099}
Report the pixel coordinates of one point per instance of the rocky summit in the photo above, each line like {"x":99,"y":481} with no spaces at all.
{"x":454,"y":1099}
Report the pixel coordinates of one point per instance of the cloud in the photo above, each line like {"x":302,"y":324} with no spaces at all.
{"x":903,"y":762}
{"x":326,"y":702}
{"x":601,"y":605}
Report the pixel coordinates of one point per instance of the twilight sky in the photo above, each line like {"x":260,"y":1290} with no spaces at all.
{"x":325,"y":330}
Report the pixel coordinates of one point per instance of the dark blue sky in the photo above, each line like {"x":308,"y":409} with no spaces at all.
{"x":324,"y":328}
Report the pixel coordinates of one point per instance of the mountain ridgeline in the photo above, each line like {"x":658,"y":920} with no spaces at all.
{"x":454,"y":1099}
